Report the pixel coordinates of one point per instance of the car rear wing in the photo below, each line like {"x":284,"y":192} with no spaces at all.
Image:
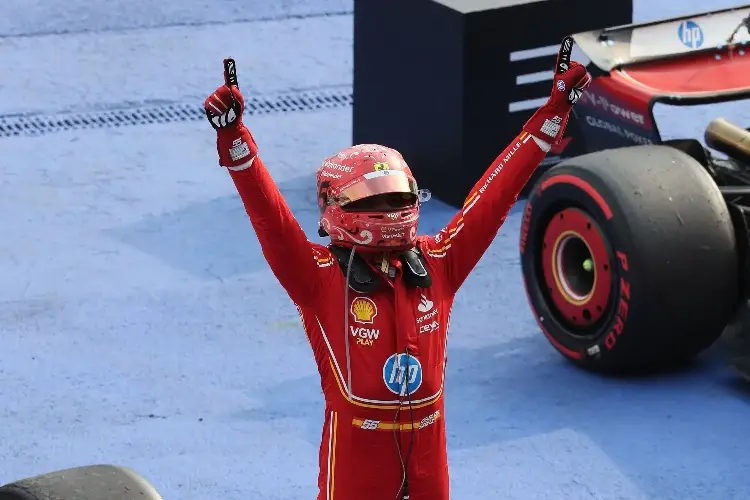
{"x":611,"y":48}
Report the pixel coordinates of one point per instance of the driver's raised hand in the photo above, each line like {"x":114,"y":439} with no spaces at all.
{"x":570,"y":80}
{"x":224,"y":108}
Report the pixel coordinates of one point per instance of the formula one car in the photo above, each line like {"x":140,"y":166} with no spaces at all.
{"x":635,"y":250}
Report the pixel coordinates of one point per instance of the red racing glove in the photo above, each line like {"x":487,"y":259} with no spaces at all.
{"x":571,"y":78}
{"x":224,"y":107}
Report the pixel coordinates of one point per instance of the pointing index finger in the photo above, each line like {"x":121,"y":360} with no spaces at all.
{"x":230,"y":73}
{"x":563,"y":56}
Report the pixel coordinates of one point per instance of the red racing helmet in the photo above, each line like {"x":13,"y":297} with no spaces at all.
{"x":368,"y":198}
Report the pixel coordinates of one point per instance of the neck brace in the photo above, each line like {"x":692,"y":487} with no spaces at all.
{"x":364,"y":279}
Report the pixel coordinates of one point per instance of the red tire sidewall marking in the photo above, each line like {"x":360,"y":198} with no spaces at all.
{"x":573,"y":222}
{"x":583,"y":186}
{"x":622,"y":308}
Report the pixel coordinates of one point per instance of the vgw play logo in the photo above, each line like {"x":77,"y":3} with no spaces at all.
{"x":691,"y":35}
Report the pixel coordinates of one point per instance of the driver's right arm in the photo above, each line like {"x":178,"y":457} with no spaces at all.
{"x":296,"y":262}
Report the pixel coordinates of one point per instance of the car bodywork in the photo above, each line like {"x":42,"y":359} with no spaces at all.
{"x":689,"y":60}
{"x":678,"y":61}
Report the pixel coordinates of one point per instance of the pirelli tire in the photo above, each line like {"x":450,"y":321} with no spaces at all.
{"x":93,"y":482}
{"x":629,"y":259}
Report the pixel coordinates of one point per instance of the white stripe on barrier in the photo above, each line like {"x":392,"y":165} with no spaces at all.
{"x":516,"y":106}
{"x":466,"y":6}
{"x":539,"y":76}
{"x":522,"y":55}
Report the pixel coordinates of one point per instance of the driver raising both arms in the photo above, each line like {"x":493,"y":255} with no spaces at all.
{"x":380,"y":342}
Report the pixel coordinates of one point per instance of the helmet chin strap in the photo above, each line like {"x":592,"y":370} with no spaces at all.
{"x":385,"y":264}
{"x":380,"y":260}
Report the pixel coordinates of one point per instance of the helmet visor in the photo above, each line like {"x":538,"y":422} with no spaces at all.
{"x":377,"y":183}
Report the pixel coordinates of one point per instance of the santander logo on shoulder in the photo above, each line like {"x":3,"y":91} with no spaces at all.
{"x":429,"y":311}
{"x":424,"y":305}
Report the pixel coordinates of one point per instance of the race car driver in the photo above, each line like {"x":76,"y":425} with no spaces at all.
{"x":380,"y":342}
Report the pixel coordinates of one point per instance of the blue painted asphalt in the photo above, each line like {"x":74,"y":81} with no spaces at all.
{"x":141,"y":326}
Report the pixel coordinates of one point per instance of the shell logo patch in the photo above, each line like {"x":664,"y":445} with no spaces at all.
{"x":381,"y":166}
{"x":364,"y":310}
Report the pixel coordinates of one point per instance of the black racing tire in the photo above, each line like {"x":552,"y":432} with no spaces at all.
{"x":661,"y":280}
{"x":93,"y":482}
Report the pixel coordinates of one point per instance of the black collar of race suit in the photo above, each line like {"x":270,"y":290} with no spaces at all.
{"x":364,"y":279}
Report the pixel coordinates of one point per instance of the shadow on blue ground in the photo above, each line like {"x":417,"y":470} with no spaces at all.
{"x":522,"y":388}
{"x":201,"y":232}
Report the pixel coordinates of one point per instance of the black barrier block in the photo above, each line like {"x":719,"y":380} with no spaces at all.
{"x":445,"y":82}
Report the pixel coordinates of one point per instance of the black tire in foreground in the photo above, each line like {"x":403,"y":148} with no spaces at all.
{"x":94,"y":482}
{"x":629,"y":258}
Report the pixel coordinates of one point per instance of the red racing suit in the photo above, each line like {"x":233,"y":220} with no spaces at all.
{"x":369,"y":423}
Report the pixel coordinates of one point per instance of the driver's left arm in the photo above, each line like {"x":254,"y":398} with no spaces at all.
{"x":461,"y":243}
{"x":464,"y":240}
